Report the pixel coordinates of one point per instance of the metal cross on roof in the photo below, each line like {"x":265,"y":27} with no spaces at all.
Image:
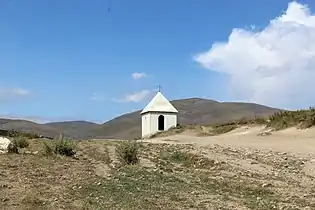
{"x":159,"y":88}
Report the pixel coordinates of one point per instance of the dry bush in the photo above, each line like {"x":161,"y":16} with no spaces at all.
{"x":20,"y":142}
{"x":286,"y":119}
{"x":128,"y":152}
{"x":60,"y":146}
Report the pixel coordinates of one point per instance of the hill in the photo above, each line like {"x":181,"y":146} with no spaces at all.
{"x":28,"y":126}
{"x":75,"y":129}
{"x":191,"y":111}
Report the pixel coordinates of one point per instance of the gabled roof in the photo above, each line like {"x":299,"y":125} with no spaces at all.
{"x":159,"y":104}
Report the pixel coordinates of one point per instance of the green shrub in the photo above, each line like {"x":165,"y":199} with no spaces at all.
{"x":60,"y":146}
{"x":128,"y":152}
{"x":20,"y":142}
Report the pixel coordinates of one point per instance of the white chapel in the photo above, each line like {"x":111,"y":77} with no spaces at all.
{"x":158,"y":115}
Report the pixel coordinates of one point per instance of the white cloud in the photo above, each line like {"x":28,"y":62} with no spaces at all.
{"x":135,"y":97}
{"x":274,"y":66}
{"x":138,"y":75}
{"x":8,"y":94}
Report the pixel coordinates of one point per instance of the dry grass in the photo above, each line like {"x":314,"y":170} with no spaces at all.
{"x":180,"y":177}
{"x":172,"y":131}
{"x":285,"y":119}
{"x":217,"y":129}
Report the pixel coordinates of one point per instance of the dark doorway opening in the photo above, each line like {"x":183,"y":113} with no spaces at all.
{"x":161,"y":123}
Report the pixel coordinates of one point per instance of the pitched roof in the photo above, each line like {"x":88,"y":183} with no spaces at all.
{"x":159,"y":104}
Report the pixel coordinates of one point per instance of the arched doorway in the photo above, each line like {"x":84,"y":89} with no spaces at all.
{"x":161,"y":123}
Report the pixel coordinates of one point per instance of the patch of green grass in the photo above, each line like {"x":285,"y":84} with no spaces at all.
{"x":134,"y":187}
{"x":185,"y":158}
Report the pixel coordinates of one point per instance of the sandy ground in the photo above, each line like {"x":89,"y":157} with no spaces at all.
{"x":295,"y":141}
{"x":292,"y":141}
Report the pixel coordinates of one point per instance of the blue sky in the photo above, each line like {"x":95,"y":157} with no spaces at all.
{"x":70,"y":60}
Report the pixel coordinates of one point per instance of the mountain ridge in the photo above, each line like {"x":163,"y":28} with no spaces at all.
{"x":191,"y":111}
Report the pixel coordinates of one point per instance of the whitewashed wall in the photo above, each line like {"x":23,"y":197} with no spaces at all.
{"x":150,"y":122}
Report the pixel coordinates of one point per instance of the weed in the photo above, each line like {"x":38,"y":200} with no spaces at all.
{"x":128,"y":152}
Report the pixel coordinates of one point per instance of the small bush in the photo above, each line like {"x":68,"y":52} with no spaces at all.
{"x":20,"y":142}
{"x":128,"y":152}
{"x":60,"y":146}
